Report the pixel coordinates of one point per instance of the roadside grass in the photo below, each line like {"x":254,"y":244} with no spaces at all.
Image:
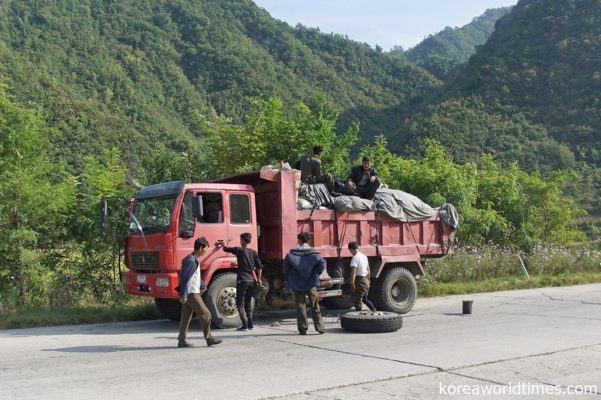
{"x":428,"y":289}
{"x":36,"y":316}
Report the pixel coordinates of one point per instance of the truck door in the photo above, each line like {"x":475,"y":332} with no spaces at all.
{"x":211,"y":225}
{"x":241,"y":218}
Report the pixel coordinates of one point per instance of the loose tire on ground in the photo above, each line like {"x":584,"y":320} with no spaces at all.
{"x":169,"y":308}
{"x":371,"y":321}
{"x":221,"y":301}
{"x":395,"y":290}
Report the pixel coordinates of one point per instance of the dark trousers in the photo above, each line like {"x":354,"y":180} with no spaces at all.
{"x":368,"y":191}
{"x":244,"y":295}
{"x":300,"y":301}
{"x":360,"y":293}
{"x":195,"y":304}
{"x":326,"y":179}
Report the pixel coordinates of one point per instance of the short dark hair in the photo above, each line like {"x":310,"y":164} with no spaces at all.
{"x":317,"y":150}
{"x":353,"y":245}
{"x":200,"y":242}
{"x":304,"y":237}
{"x":366,"y":158}
{"x":247,"y":237}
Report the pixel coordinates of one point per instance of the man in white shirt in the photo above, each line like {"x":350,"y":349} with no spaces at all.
{"x":360,"y":275}
{"x":191,"y":287}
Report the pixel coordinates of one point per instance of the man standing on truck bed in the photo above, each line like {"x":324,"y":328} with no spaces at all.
{"x":248,"y":262}
{"x":310,"y":167}
{"x":363,"y":180}
{"x":302,"y":267}
{"x":191,"y":287}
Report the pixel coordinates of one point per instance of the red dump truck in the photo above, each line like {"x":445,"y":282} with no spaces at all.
{"x":168,"y":217}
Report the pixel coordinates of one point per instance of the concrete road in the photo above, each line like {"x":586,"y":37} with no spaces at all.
{"x":543,"y":343}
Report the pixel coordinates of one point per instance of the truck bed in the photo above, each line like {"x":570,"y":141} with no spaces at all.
{"x":377,"y":234}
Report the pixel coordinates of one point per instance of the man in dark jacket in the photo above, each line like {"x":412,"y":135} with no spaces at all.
{"x":302,"y":267}
{"x":310,"y":168}
{"x":191,"y":288}
{"x":363,"y":180}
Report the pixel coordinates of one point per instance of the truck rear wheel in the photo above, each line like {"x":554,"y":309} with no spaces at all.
{"x":395,"y":290}
{"x":221,"y":301}
{"x":169,"y":308}
{"x":371,"y":321}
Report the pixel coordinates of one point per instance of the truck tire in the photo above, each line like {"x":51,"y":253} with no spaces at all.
{"x":371,"y":321}
{"x":343,"y":302}
{"x":395,"y":290}
{"x":169,"y":308}
{"x":221,"y":301}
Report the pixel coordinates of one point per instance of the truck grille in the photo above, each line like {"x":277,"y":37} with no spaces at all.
{"x":145,"y":260}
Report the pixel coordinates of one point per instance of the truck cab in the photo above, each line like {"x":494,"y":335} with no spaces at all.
{"x":163,"y":228}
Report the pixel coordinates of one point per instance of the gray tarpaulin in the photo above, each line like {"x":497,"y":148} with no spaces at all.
{"x":317,"y":194}
{"x":352,"y":203}
{"x":395,"y":203}
{"x":407,"y":207}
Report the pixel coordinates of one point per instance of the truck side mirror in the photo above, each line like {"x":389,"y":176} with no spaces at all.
{"x":102,"y":213}
{"x":197,"y":209}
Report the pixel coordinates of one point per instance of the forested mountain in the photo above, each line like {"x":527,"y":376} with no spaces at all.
{"x":442,"y":52}
{"x":132,"y":72}
{"x":534,"y":87}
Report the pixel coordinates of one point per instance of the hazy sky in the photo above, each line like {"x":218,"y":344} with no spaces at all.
{"x":383,"y":22}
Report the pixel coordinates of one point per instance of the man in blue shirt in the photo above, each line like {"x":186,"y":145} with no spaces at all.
{"x":191,"y":288}
{"x":302,"y":267}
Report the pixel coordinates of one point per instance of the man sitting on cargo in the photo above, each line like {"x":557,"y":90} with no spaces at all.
{"x":363,"y":180}
{"x":310,"y":167}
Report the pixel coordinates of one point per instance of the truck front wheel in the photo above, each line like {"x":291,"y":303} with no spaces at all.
{"x":221,"y":300}
{"x":395,"y":290}
{"x":169,"y":308}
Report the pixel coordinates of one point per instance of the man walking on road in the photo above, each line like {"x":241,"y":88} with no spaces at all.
{"x":302,"y":267}
{"x":191,"y":288}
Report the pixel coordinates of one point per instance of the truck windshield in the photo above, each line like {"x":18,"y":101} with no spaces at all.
{"x":152,"y":215}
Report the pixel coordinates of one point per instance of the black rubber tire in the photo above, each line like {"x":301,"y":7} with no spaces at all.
{"x":343,"y":302}
{"x":169,"y":308}
{"x":371,"y":321}
{"x":395,"y":290}
{"x":221,"y":301}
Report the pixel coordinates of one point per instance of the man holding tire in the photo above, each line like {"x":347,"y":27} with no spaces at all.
{"x":191,"y":288}
{"x":302,"y":267}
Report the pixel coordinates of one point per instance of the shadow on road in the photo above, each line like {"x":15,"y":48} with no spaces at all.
{"x":106,"y":349}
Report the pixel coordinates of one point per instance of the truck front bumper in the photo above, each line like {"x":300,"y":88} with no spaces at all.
{"x":151,"y":284}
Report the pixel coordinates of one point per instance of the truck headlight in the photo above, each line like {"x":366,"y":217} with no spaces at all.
{"x":141,"y":278}
{"x":162,"y":282}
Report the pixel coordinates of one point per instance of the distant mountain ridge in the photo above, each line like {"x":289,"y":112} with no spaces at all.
{"x":442,"y":52}
{"x":130,"y":73}
{"x":540,"y":73}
